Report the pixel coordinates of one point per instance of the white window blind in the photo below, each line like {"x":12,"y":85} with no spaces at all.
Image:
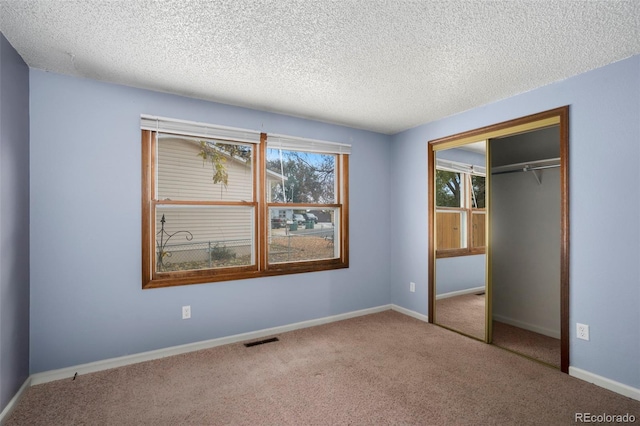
{"x":290,"y":143}
{"x":192,"y":128}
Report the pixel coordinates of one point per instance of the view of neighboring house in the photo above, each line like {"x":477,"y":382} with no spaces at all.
{"x":192,"y":233}
{"x":196,"y":237}
{"x":179,"y":161}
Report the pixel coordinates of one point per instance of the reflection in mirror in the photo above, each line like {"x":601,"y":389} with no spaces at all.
{"x":460,"y":266}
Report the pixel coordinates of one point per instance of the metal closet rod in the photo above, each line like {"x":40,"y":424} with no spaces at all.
{"x":527,"y":169}
{"x":528,"y":166}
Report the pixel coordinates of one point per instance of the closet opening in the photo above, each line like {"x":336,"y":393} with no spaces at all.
{"x":525,"y":244}
{"x":526,"y":161}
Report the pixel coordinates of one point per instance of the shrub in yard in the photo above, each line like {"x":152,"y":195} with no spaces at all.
{"x":221,"y":253}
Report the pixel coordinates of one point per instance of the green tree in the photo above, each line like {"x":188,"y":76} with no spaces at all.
{"x":478,"y":199}
{"x":447,"y":189}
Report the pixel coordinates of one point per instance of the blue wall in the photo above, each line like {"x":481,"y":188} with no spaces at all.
{"x":14,"y":222}
{"x":460,"y":273}
{"x":87,"y":303}
{"x":604,"y":204}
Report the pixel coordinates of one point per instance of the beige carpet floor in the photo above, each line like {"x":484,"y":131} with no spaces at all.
{"x":385,"y":368}
{"x":537,"y":346}
{"x":465,"y":313}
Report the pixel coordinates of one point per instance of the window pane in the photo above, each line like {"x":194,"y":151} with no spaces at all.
{"x":478,"y":195}
{"x":448,"y":189}
{"x":450,"y":230}
{"x":295,"y":236}
{"x":196,"y":237}
{"x":478,"y":230}
{"x":300,"y":177}
{"x":199,"y":169}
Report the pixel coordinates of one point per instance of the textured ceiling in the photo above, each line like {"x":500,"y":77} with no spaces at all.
{"x":380,"y":65}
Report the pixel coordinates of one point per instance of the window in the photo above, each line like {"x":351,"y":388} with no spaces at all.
{"x":221,"y":204}
{"x":308,"y":185}
{"x":460,"y":209}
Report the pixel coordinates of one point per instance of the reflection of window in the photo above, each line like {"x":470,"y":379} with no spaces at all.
{"x":206,"y":218}
{"x":460,"y":209}
{"x":477,"y":186}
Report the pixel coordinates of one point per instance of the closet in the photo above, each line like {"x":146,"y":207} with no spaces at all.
{"x":525,"y":243}
{"x":524,"y":294}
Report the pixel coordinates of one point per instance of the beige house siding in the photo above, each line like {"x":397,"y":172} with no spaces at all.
{"x":207,"y":224}
{"x":183,"y":175}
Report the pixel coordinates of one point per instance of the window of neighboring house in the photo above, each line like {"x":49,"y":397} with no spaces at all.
{"x":206,"y":217}
{"x":460,"y":209}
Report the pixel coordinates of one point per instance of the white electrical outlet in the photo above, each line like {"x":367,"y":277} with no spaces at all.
{"x":582,"y":331}
{"x":186,"y":312}
{"x":412,"y":287}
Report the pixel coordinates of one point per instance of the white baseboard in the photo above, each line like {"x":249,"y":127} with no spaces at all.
{"x":92,"y":367}
{"x":460,"y":292}
{"x":603,"y":382}
{"x":410,"y":313}
{"x":6,"y":412}
{"x":527,"y":326}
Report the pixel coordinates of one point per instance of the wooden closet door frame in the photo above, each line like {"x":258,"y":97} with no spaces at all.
{"x":557,"y":116}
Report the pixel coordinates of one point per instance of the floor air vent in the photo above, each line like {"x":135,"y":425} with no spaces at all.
{"x":261,"y":342}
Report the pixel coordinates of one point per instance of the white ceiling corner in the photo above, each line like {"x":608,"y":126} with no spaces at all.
{"x":384,"y":66}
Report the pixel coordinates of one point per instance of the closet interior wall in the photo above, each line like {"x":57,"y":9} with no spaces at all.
{"x":525,"y":225}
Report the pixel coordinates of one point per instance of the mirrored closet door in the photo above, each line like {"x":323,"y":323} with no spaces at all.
{"x":460,"y":229}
